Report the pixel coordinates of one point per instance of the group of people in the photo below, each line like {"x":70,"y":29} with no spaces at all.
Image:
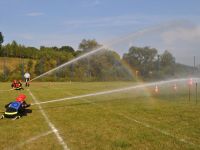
{"x":17,"y":84}
{"x":17,"y":108}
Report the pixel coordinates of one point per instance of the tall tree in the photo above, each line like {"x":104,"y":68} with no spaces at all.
{"x":1,"y":39}
{"x":141,"y":58}
{"x":88,"y":45}
{"x":167,"y":63}
{"x":68,"y":49}
{"x":167,"y":59}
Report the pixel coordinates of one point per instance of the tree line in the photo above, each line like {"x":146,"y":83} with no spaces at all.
{"x":106,"y":65}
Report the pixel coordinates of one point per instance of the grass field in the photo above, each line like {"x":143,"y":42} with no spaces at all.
{"x":135,"y":119}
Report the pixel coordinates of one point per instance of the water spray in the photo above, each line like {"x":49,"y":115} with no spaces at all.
{"x":190,"y":83}
{"x":135,"y":35}
{"x":196,"y":92}
{"x":115,"y":90}
{"x":70,"y":62}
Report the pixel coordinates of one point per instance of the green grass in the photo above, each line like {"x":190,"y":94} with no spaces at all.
{"x":136,"y":119}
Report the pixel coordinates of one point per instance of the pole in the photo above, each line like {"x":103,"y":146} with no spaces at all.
{"x":4,"y":66}
{"x":159,"y":65}
{"x":194,"y":64}
{"x":196,"y":92}
{"x":189,"y":93}
{"x":88,"y":68}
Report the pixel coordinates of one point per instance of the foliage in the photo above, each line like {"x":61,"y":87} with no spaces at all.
{"x":1,"y":39}
{"x":106,"y":65}
{"x":142,"y":59}
{"x":167,"y":59}
{"x":88,"y":45}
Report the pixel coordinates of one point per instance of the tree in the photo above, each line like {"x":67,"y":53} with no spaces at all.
{"x":167,"y":59}
{"x":68,"y":49}
{"x":1,"y":39}
{"x":167,"y":63}
{"x":40,"y":66}
{"x":141,"y":59}
{"x":88,"y":45}
{"x":29,"y":65}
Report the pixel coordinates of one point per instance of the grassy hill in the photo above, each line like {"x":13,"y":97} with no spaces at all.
{"x":13,"y":65}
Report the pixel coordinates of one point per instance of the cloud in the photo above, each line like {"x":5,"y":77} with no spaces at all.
{"x":114,"y":21}
{"x":91,"y":3}
{"x":182,"y":34}
{"x":96,"y":2}
{"x":35,"y":14}
{"x":183,"y":42}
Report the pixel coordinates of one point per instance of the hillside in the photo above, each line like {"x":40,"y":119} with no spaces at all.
{"x":11,"y":63}
{"x":15,"y":66}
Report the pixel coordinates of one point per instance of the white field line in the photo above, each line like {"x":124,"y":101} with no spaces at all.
{"x":145,"y":124}
{"x":31,"y":140}
{"x":6,"y":90}
{"x":116,"y":90}
{"x":157,"y":129}
{"x":51,"y":125}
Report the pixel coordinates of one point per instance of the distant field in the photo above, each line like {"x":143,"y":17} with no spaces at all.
{"x":135,"y":119}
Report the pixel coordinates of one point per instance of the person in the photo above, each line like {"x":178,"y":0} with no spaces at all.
{"x":20,"y":83}
{"x":14,"y":84}
{"x":27,"y":78}
{"x":17,"y":108}
{"x":17,"y":85}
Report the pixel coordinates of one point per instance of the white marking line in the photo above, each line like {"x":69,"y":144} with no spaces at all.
{"x":115,"y":90}
{"x":6,"y":90}
{"x":32,"y":139}
{"x":145,"y":124}
{"x":156,"y":129}
{"x":53,"y":128}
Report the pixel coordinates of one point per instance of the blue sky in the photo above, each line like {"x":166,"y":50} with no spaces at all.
{"x":168,"y":24}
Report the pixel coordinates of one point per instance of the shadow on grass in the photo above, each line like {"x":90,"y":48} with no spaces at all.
{"x":26,"y":112}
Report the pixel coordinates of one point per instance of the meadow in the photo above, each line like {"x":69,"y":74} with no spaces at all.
{"x":134,"y":119}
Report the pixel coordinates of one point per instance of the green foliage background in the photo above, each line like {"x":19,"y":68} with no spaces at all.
{"x":105,"y":65}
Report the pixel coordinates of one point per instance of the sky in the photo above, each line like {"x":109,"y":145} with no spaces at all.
{"x":172,"y":25}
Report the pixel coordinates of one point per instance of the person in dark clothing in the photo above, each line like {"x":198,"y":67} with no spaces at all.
{"x":16,"y":109}
{"x":13,"y":85}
